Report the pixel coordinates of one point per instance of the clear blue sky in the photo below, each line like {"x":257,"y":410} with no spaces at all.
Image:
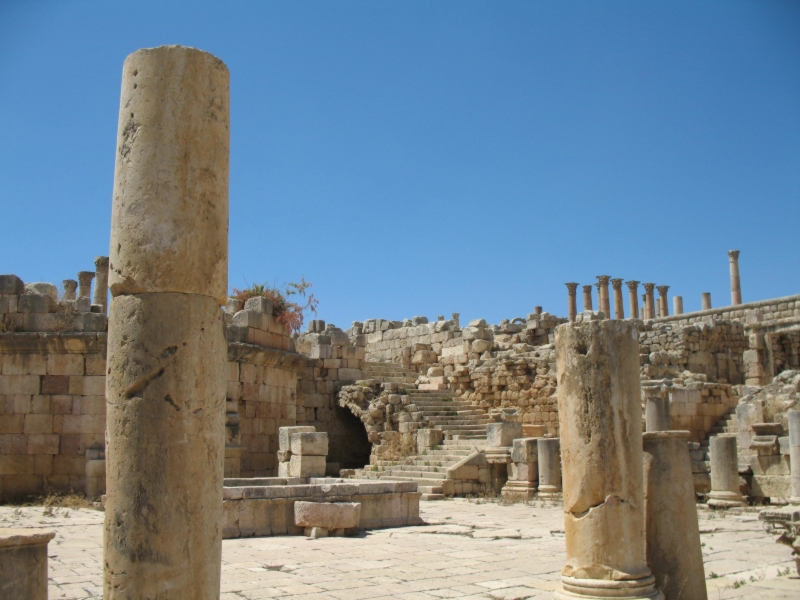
{"x":420,"y":158}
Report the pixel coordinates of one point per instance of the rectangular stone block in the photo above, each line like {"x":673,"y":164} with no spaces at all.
{"x":285,"y":435}
{"x":306,"y":466}
{"x":13,"y":443}
{"x":525,"y":450}
{"x":38,"y":424}
{"x":251,"y":318}
{"x":95,"y":364}
{"x":55,"y":384}
{"x":259,"y":304}
{"x":16,"y":464}
{"x":88,"y":385}
{"x":35,"y":303}
{"x":11,"y":284}
{"x":500,"y":435}
{"x":309,"y":444}
{"x":428,"y":438}
{"x":19,"y":384}
{"x":24,"y":364}
{"x":328,"y":515}
{"x":65,"y":364}
{"x":44,"y":444}
{"x":11,"y":424}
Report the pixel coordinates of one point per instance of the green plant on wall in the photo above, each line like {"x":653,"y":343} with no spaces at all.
{"x":286,"y":312}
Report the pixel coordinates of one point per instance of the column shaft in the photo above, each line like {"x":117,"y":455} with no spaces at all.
{"x":724,"y":472}
{"x":677,"y":305}
{"x":794,"y":452}
{"x":70,"y":287}
{"x":619,"y":309}
{"x":705,"y":300}
{"x":650,"y":302}
{"x":602,"y":294}
{"x":573,"y":301}
{"x":549,"y":454}
{"x":101,"y":282}
{"x":166,"y":344}
{"x":736,"y":286}
{"x":587,"y":297}
{"x":633,"y":298}
{"x":85,"y":284}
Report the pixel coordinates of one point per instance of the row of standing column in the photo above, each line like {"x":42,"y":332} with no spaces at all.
{"x":82,"y":288}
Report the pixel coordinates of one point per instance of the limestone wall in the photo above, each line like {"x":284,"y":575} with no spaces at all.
{"x":52,"y":395}
{"x":777,"y":308}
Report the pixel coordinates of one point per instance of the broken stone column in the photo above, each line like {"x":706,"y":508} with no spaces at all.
{"x":602,"y":294}
{"x":736,"y":285}
{"x":456,"y":317}
{"x":656,"y":412}
{"x":724,"y":472}
{"x":619,"y":309}
{"x":549,"y":458}
{"x":705,"y":301}
{"x":633,"y":298}
{"x":23,"y":563}
{"x":70,"y":286}
{"x":794,"y":453}
{"x":672,"y":532}
{"x":85,"y":284}
{"x":101,"y":282}
{"x":649,"y":306}
{"x":168,"y":277}
{"x":677,"y":305}
{"x":600,"y":418}
{"x":662,"y":300}
{"x":587,"y":297}
{"x":573,"y":301}
{"x":523,"y":471}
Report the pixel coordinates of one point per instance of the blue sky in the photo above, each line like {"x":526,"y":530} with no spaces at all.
{"x":420,"y":158}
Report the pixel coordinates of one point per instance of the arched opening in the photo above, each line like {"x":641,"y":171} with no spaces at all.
{"x":347,"y":440}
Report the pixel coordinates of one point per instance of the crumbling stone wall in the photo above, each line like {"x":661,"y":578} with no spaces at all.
{"x":785,"y":351}
{"x":777,"y":308}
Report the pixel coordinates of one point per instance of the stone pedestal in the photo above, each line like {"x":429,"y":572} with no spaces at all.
{"x":633,"y":298}
{"x":705,"y":301}
{"x":794,"y":453}
{"x":736,"y":286}
{"x":724,"y":472}
{"x":677,"y":305}
{"x":549,"y":455}
{"x":672,"y":532}
{"x":587,"y":297}
{"x":23,"y":563}
{"x":523,"y":471}
{"x":85,"y":284}
{"x":602,"y":294}
{"x":649,"y":300}
{"x":573,"y":301}
{"x":70,"y":287}
{"x":662,"y":300}
{"x":656,"y":413}
{"x":167,"y":352}
{"x":619,"y":309}
{"x":101,"y":282}
{"x":600,"y":419}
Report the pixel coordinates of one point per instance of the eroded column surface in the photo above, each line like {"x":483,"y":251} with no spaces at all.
{"x":656,"y":412}
{"x":70,"y":288}
{"x":600,"y":418}
{"x":101,"y":282}
{"x":725,"y":491}
{"x":672,"y":532}
{"x":736,"y":284}
{"x":602,"y":294}
{"x":165,"y":387}
{"x":677,"y":305}
{"x":662,"y":300}
{"x":85,"y":284}
{"x":587,"y":297}
{"x":794,"y":453}
{"x":549,"y":458}
{"x":649,"y":301}
{"x":573,"y":301}
{"x":705,"y":301}
{"x":619,"y":309}
{"x":633,"y":298}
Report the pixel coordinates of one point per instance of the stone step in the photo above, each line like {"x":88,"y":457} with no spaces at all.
{"x":430,"y":497}
{"x":419,"y":480}
{"x":432,"y":475}
{"x":430,"y":489}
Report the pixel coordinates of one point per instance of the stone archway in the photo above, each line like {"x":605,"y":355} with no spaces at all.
{"x":348,"y":442}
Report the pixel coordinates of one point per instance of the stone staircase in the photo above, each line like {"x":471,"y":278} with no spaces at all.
{"x":701,"y":459}
{"x":390,"y":373}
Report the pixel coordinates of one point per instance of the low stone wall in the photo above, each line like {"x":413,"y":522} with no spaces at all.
{"x":776,"y":308}
{"x":265,"y":507}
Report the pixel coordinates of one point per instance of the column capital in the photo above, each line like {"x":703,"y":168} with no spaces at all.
{"x":632,"y":285}
{"x":603,"y":279}
{"x":70,"y":285}
{"x":101,"y":262}
{"x":587,"y":288}
{"x":616,"y":283}
{"x":733,"y":255}
{"x":662,"y":289}
{"x":649,"y":287}
{"x":85,"y":277}
{"x":571,"y":286}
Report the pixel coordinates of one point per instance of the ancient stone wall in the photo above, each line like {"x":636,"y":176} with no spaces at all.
{"x":777,"y":308}
{"x":785,"y":351}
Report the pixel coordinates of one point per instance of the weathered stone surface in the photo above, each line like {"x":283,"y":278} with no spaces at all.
{"x":165,"y":446}
{"x":170,"y":206}
{"x":724,"y":472}
{"x":672,"y":533}
{"x":285,"y":435}
{"x":502,"y":434}
{"x":23,"y":563}
{"x":525,"y":450}
{"x":42,"y":287}
{"x":306,"y":466}
{"x":310,"y":443}
{"x":329,"y":515}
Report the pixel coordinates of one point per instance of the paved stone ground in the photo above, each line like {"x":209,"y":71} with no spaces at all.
{"x":468,"y":550}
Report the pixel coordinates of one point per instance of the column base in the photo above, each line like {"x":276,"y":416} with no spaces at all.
{"x":726,"y":500}
{"x":549,"y":491}
{"x":519,"y":491}
{"x":601,"y":589}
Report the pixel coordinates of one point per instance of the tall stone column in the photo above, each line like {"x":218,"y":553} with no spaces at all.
{"x":705,"y":301}
{"x":649,"y":301}
{"x":662,"y":299}
{"x":549,"y":455}
{"x":633,"y":298}
{"x":736,"y":284}
{"x":619,"y":310}
{"x":587,"y":297}
{"x":600,"y":417}
{"x":573,"y":301}
{"x":677,"y":305}
{"x":167,"y":352}
{"x":672,"y":531}
{"x":70,"y":286}
{"x":602,"y":294}
{"x":794,"y":453}
{"x":85,"y":284}
{"x":724,"y":472}
{"x":101,"y":282}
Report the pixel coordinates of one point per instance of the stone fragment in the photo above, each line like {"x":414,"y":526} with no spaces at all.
{"x":502,"y":434}
{"x":328,"y":515}
{"x":11,"y":284}
{"x":309,"y":443}
{"x":285,"y":435}
{"x":42,"y":288}
{"x":23,"y":563}
{"x":525,"y":450}
{"x":35,"y":303}
{"x":260,"y":304}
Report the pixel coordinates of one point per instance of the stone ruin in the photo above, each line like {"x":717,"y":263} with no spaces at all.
{"x":629,"y":421}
